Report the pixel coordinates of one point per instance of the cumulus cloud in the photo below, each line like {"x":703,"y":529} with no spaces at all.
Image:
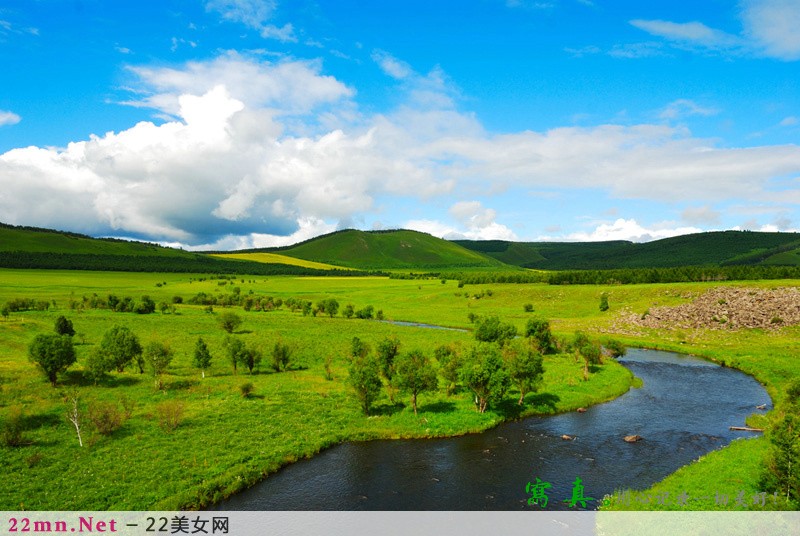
{"x":630,"y":230}
{"x":244,"y":158}
{"x":9,"y":118}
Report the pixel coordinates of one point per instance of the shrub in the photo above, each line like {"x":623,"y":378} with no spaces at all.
{"x":63,"y":326}
{"x":13,"y":428}
{"x":246,"y":388}
{"x":170,"y":414}
{"x":106,"y":417}
{"x":528,"y":307}
{"x":281,"y":353}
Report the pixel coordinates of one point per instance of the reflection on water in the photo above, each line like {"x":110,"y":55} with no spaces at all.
{"x":683,"y":411}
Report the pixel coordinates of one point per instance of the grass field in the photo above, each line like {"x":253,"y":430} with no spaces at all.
{"x":276,"y":258}
{"x":226,"y":442}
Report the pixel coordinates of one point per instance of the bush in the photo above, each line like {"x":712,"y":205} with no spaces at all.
{"x":13,"y":428}
{"x":528,"y":307}
{"x":281,"y":353}
{"x":170,"y":414}
{"x":63,"y":326}
{"x":106,"y":417}
{"x":246,"y":388}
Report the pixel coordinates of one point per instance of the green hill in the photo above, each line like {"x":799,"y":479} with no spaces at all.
{"x":713,"y":248}
{"x":32,"y":247}
{"x":389,"y":250}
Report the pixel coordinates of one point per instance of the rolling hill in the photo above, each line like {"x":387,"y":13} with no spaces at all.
{"x":388,"y":250}
{"x":722,"y":248}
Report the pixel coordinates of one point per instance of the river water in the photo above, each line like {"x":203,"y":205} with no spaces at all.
{"x":682,"y":411}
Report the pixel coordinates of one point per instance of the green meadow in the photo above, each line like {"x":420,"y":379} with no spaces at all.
{"x":226,"y":441}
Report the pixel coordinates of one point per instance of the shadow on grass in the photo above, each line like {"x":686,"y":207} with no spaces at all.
{"x":32,"y":422}
{"x":180,"y":384}
{"x":438,"y":407}
{"x":509,"y":408}
{"x":542,"y":400}
{"x":387,"y":409}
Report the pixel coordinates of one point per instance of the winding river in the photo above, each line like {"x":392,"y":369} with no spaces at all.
{"x":683,"y":411}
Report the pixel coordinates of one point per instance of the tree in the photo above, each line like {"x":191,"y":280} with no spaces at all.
{"x":358,"y":348}
{"x":490,"y":329}
{"x":202,"y":357}
{"x":525,"y":368}
{"x":365,"y":379}
{"x":415,"y":374}
{"x":483,"y":373}
{"x":614,"y":348}
{"x":604,"y":301}
{"x":145,"y":307}
{"x":330,"y":307}
{"x":229,"y":321}
{"x":538,"y":329}
{"x":348,"y":311}
{"x":281,"y":354}
{"x":118,"y":348}
{"x":388,"y":349}
{"x":782,"y":472}
{"x":450,"y":362}
{"x":235,"y":349}
{"x":158,"y":356}
{"x":590,"y":352}
{"x":53,"y":354}
{"x":63,"y":326}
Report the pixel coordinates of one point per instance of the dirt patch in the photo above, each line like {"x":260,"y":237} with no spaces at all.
{"x":726,"y":308}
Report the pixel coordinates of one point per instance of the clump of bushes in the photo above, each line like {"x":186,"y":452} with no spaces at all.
{"x":170,"y":414}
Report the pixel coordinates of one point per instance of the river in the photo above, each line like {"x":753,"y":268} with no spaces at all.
{"x":682,"y":411}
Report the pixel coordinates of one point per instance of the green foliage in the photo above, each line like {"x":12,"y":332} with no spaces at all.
{"x":230,"y":321}
{"x":364,"y":377}
{"x":365,"y":313}
{"x":358,"y":348}
{"x":158,"y":357}
{"x":13,"y":428}
{"x":528,"y":307}
{"x":484,"y":373}
{"x":170,"y":414}
{"x":281,"y":355}
{"x":106,"y":417}
{"x":414,"y":374}
{"x":615,"y":348}
{"x":782,"y":472}
{"x":53,"y":354}
{"x":524,"y":365}
{"x":348,"y":311}
{"x":450,"y":362}
{"x":538,"y":329}
{"x":246,"y":389}
{"x":118,"y":348}
{"x":145,"y":307}
{"x":63,"y":326}
{"x":490,"y":329}
{"x":604,"y":301}
{"x":388,"y":349}
{"x":590,"y":352}
{"x":202,"y":356}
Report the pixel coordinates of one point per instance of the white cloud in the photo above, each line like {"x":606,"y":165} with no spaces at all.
{"x":770,"y":30}
{"x":771,"y":26}
{"x":704,"y":215}
{"x":789,"y":121}
{"x":253,"y":14}
{"x":9,"y":118}
{"x":256,"y":148}
{"x":630,"y":230}
{"x":390,"y":65}
{"x":684,"y":107}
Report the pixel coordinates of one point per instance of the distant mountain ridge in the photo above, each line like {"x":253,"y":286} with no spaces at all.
{"x":716,"y":248}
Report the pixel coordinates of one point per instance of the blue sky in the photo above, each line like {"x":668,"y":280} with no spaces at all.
{"x":249,"y":123}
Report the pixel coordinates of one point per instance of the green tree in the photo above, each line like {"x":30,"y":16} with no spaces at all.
{"x":158,"y":357}
{"x":538,"y":329}
{"x":145,"y":306}
{"x":483,"y":373}
{"x":415,"y":374}
{"x":590,"y":352}
{"x":202,"y":357}
{"x":53,"y":354}
{"x":281,"y":354}
{"x":525,"y":367}
{"x":388,"y":349}
{"x":330,"y":307}
{"x":358,"y":348}
{"x":614,"y":348}
{"x":365,"y":379}
{"x":782,"y":472}
{"x":250,"y":357}
{"x":229,"y":321}
{"x":491,"y":329}
{"x":348,"y":311}
{"x":604,"y":301}
{"x":450,"y":361}
{"x":63,"y":326}
{"x":118,"y":348}
{"x":235,"y":349}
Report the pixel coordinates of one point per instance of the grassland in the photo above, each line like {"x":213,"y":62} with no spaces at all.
{"x":227,"y":442}
{"x":276,"y":258}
